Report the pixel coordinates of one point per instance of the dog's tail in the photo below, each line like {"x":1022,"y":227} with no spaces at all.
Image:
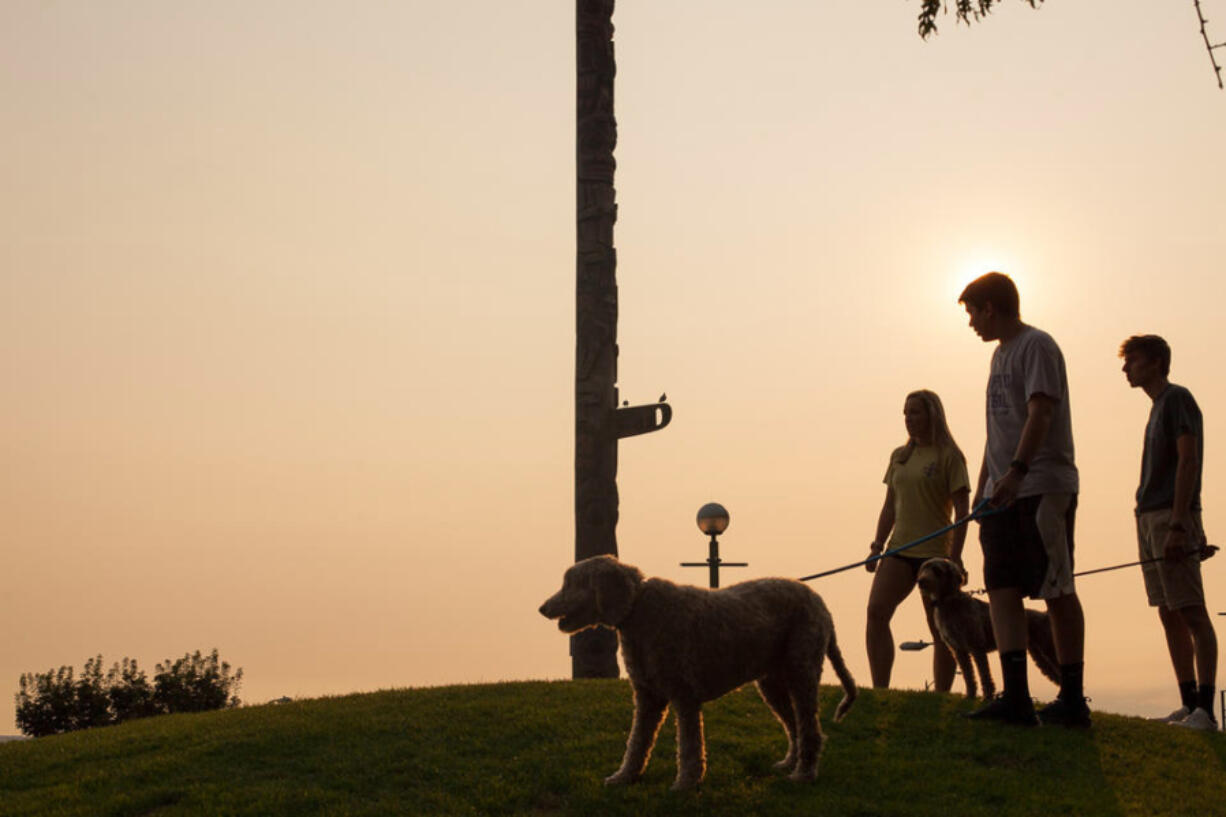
{"x":1042,"y":647}
{"x":840,"y":669}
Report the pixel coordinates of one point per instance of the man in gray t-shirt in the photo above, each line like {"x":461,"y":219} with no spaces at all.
{"x":1170,"y":538}
{"x":1023,"y":366}
{"x":1030,"y":476}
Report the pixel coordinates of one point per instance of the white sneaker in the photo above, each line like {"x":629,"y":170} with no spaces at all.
{"x":1199,"y":719}
{"x":1176,"y":716}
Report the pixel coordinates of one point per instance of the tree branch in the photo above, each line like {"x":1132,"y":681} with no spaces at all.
{"x":1217,"y":69}
{"x":965,"y":11}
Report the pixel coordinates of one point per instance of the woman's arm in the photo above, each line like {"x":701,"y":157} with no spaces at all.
{"x":962,"y":506}
{"x":885,"y":524}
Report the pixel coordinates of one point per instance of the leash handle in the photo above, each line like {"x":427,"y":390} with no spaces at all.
{"x":984,"y":508}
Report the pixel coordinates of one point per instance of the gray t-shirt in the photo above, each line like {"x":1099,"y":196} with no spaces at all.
{"x":1022,"y":367}
{"x":1174,"y":413}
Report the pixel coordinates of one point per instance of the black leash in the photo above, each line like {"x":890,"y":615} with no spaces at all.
{"x":1207,"y":552}
{"x":1204,"y":553}
{"x":981,"y":510}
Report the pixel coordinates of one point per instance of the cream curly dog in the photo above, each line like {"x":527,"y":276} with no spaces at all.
{"x":966,"y":626}
{"x":686,"y":645}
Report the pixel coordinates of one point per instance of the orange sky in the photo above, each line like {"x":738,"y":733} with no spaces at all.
{"x":288,"y":323}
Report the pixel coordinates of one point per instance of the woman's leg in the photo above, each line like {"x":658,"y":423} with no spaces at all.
{"x":892,"y":582}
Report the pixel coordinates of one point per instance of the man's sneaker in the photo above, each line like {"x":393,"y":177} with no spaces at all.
{"x":1176,"y":716}
{"x":1199,"y":719}
{"x":1066,"y":713}
{"x":1000,"y":709}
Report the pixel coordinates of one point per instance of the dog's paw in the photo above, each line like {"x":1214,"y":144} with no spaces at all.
{"x":620,"y":778}
{"x":803,"y":776}
{"x":685,"y":783}
{"x":787,"y":764}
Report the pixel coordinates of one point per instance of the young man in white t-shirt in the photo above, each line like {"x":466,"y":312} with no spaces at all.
{"x":1030,"y":476}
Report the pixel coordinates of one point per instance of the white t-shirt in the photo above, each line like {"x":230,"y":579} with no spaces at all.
{"x":1022,"y":367}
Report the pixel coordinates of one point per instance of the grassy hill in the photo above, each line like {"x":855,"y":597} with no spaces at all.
{"x":543,"y":748}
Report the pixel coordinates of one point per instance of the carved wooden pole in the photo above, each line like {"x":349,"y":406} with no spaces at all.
{"x":598,"y":421}
{"x":594,"y":652}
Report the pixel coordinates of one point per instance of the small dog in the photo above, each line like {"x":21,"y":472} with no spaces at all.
{"x":684,"y":645}
{"x":966,"y":626}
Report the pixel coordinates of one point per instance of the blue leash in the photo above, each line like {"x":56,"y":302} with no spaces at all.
{"x":981,"y":510}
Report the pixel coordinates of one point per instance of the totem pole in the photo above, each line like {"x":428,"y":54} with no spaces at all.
{"x":599,"y":423}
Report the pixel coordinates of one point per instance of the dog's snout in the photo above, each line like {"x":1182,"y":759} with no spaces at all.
{"x":550,"y":608}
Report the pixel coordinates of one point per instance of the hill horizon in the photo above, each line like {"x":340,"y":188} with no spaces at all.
{"x":544,"y":748}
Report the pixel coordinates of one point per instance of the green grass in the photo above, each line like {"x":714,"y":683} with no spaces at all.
{"x":543,"y":749}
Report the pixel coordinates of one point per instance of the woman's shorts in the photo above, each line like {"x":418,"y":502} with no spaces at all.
{"x":913,"y":562}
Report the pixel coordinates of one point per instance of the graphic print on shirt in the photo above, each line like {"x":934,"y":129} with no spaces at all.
{"x":998,"y":392}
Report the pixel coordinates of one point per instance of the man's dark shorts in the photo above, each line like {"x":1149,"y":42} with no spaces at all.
{"x":1029,"y":546}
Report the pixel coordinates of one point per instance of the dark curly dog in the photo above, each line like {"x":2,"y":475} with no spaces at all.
{"x":685,"y":645}
{"x":966,"y":626}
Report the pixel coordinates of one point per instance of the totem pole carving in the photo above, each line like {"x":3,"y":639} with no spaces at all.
{"x":599,"y":423}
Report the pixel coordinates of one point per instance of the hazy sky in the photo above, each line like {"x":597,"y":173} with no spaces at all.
{"x":287,"y":320}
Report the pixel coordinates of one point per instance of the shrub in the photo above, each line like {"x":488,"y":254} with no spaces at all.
{"x":196,"y":683}
{"x":92,"y":704}
{"x":130,"y":693}
{"x":58,"y":701}
{"x":46,"y":702}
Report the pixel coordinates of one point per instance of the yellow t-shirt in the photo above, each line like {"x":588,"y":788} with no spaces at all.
{"x":923,"y":497}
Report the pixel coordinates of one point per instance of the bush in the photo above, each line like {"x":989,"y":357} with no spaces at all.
{"x":196,"y":683}
{"x":46,"y":702}
{"x":93,"y":705}
{"x":58,"y":701}
{"x":130,"y":693}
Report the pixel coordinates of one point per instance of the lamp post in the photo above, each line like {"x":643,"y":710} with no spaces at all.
{"x":713,"y":520}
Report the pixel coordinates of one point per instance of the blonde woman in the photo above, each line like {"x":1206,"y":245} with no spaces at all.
{"x":926,"y":486}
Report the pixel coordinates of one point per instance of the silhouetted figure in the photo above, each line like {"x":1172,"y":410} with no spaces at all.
{"x":1169,"y":527}
{"x":1029,"y":473}
{"x":926,"y":482}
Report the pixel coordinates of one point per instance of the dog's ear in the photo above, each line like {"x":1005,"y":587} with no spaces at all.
{"x":615,"y":586}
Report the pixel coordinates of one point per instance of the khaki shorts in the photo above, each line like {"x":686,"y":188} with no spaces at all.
{"x":1173,"y":586}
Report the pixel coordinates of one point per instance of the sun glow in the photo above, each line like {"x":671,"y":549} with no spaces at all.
{"x":1034,"y":289}
{"x":976,"y":264}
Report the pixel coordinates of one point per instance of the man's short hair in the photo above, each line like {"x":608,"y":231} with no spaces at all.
{"x":993,"y":288}
{"x":1150,"y":346}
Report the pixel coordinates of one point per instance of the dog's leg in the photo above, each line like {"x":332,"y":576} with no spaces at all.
{"x":691,"y":746}
{"x":774,"y":691}
{"x":649,"y":711}
{"x":803,"y":686}
{"x":985,"y":674}
{"x":968,"y":671}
